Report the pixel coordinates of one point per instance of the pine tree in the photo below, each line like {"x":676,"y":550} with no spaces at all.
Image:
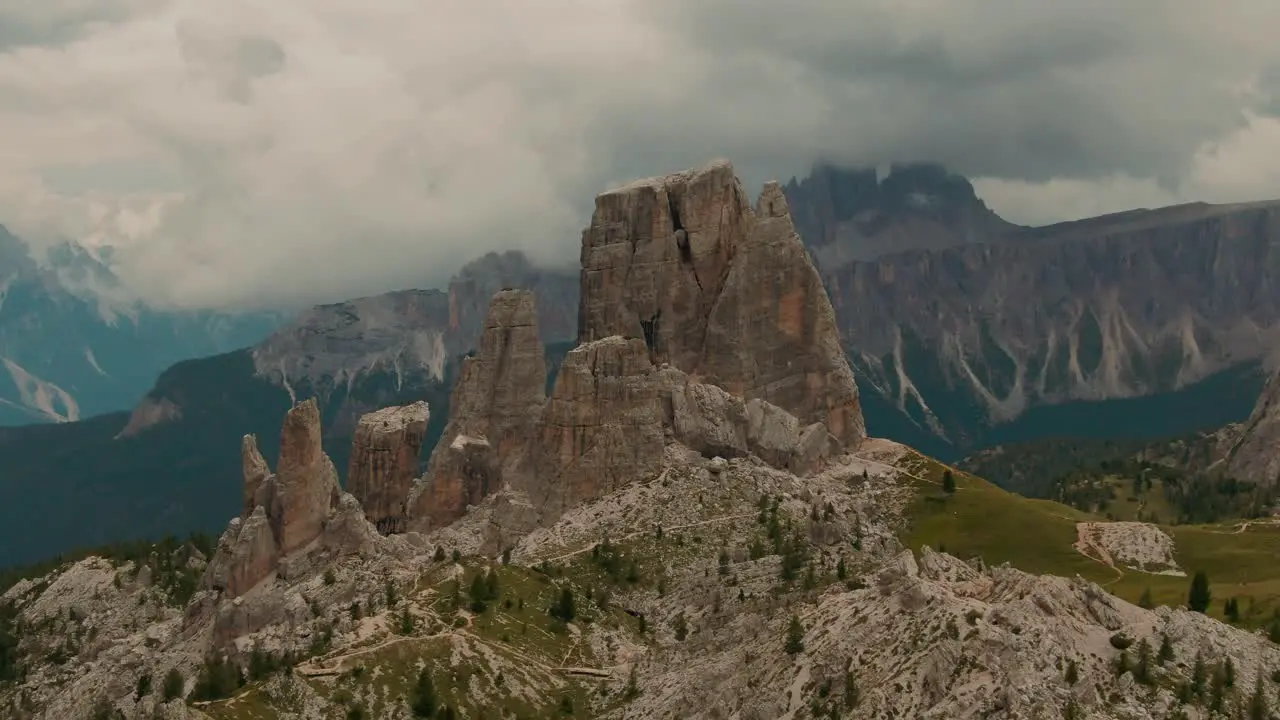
{"x":1229,"y":673}
{"x":850,"y":690}
{"x":439,"y":554}
{"x":173,"y":685}
{"x":1145,"y":600}
{"x":1199,"y":597}
{"x":681,"y":628}
{"x":1258,"y":703}
{"x":1231,"y":609}
{"x":1198,"y":674}
{"x":795,"y":636}
{"x":424,"y":696}
{"x":1217,"y":690}
{"x":1165,"y":653}
{"x":841,"y":571}
{"x":948,"y":481}
{"x":1073,"y":672}
{"x":1142,"y":673}
{"x":563,"y":609}
{"x":479,"y":594}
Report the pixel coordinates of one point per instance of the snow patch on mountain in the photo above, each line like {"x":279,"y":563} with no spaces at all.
{"x":41,"y":395}
{"x":93,"y":362}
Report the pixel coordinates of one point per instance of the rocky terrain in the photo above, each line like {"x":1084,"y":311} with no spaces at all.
{"x":668,"y":532}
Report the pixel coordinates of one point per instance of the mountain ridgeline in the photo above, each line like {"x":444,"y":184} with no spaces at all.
{"x":964,"y":332}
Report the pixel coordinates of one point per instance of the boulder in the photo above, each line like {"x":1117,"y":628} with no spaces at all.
{"x":384,"y":462}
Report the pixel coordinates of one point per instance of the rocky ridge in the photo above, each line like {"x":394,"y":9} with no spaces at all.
{"x":729,"y":535}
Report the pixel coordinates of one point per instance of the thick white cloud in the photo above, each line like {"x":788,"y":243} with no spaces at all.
{"x":242,"y":152}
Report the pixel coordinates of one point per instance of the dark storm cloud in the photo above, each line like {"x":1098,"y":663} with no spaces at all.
{"x":316,"y":149}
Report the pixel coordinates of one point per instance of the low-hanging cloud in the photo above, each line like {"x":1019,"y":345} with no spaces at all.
{"x":247,"y":153}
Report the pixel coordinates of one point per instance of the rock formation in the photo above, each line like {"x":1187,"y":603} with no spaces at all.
{"x":699,"y":316}
{"x":306,"y":479}
{"x":384,"y":462}
{"x":256,"y":472}
{"x":287,"y":513}
{"x":719,"y":291}
{"x":602,"y":426}
{"x":1255,"y":457}
{"x":493,"y":411}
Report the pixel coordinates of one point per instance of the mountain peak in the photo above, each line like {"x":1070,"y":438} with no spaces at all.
{"x":850,"y":213}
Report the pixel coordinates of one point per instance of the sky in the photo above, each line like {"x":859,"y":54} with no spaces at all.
{"x":243,"y":153}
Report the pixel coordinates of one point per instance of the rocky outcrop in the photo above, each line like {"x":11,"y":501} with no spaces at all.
{"x":1255,"y":457}
{"x":602,"y":427}
{"x":255,"y":471}
{"x":287,"y":514}
{"x":384,"y":463}
{"x":493,"y":413}
{"x":719,"y":291}
{"x":253,"y":555}
{"x":306,"y":481}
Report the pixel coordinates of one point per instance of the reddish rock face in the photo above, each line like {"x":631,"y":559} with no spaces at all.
{"x":720,"y":291}
{"x":384,"y":463}
{"x":306,"y":481}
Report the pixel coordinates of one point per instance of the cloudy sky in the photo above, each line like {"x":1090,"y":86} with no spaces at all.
{"x":246,"y":151}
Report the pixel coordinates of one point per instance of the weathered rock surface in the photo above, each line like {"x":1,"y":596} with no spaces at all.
{"x":307,"y":482}
{"x":719,"y":291}
{"x":1255,"y":457}
{"x":253,"y":555}
{"x":602,"y":427}
{"x":493,"y":413}
{"x":384,"y":462}
{"x":256,"y":472}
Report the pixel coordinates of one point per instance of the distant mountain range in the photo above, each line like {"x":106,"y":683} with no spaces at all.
{"x":965,"y":332}
{"x":74,"y":345}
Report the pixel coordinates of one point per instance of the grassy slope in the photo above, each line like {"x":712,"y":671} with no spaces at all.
{"x":516,"y":630}
{"x":1037,"y":536}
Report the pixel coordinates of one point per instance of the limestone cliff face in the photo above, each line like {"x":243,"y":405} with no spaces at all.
{"x":1255,"y":457}
{"x":493,"y":411}
{"x":719,"y":291}
{"x":602,"y":427}
{"x":964,"y":338}
{"x":384,"y":462}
